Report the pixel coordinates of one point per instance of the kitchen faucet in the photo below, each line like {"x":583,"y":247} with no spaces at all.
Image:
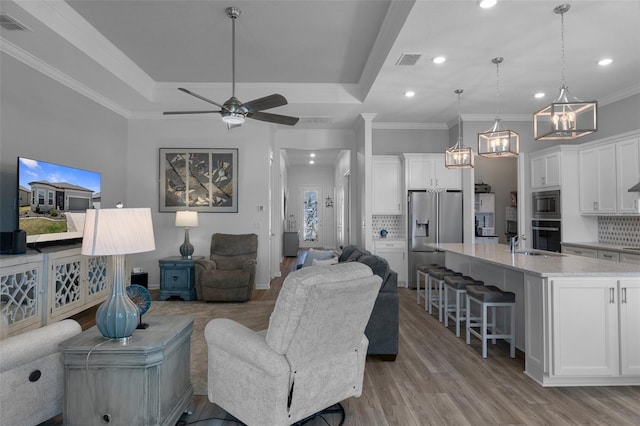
{"x":515,"y":240}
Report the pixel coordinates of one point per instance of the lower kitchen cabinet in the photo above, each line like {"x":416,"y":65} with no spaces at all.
{"x":395,"y":253}
{"x":595,"y":327}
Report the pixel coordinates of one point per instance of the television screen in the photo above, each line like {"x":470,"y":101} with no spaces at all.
{"x":52,"y":200}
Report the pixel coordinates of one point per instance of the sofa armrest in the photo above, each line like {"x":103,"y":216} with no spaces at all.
{"x":249,"y":264}
{"x":205,"y":265}
{"x":245,"y":344}
{"x":390,"y":285}
{"x":35,"y":344}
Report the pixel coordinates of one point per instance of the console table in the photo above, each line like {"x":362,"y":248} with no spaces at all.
{"x":145,"y":381}
{"x":177,"y":277}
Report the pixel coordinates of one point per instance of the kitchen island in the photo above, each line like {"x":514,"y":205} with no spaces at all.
{"x":577,"y":319}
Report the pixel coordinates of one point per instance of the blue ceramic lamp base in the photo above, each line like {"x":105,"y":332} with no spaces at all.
{"x":117,"y":317}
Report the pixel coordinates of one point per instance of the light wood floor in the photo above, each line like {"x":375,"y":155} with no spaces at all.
{"x":439,"y":380}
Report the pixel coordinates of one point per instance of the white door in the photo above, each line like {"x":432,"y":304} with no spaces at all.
{"x":311,"y":213}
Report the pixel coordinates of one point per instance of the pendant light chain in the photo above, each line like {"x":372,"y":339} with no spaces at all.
{"x":459,"y":92}
{"x":497,"y":61}
{"x":562,"y":49}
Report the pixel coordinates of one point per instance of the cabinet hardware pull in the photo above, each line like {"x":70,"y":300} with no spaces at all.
{"x":612,"y":295}
{"x":624,"y":295}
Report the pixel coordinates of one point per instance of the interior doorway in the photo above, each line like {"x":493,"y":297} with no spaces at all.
{"x":311,"y":212}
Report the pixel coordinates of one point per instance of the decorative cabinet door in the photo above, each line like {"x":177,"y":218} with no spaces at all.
{"x":585,"y":327}
{"x":629,"y":298}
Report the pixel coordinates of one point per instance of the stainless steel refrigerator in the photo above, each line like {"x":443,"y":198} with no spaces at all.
{"x":434,"y":217}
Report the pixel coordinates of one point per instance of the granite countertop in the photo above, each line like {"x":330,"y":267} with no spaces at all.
{"x":628,"y":248}
{"x":555,"y":264}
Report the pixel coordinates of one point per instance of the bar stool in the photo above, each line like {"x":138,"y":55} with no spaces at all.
{"x":422,"y":270}
{"x":458,"y":284}
{"x":433,"y":296}
{"x":490,"y":297}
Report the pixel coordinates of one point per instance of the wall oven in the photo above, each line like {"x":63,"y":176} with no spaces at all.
{"x":545,"y":205}
{"x":547,"y":235}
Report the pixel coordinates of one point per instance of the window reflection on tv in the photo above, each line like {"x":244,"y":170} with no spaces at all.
{"x":52,"y":200}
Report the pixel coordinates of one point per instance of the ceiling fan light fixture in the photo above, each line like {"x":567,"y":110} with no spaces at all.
{"x":233,"y":118}
{"x":567,"y":117}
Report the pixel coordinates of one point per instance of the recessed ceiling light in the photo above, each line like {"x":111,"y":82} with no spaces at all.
{"x":439,"y":59}
{"x":312,"y":155}
{"x":604,"y":62}
{"x":486,"y":4}
{"x":539,"y":95}
{"x":409,"y":93}
{"x":311,"y":162}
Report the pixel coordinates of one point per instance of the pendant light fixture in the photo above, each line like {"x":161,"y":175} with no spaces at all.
{"x":458,"y":156}
{"x":567,"y":117}
{"x":498,"y":141}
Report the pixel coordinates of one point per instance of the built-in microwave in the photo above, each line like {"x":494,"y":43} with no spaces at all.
{"x":545,"y":205}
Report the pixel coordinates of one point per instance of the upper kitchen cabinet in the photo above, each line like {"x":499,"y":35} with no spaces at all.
{"x":387,"y":185}
{"x":607,"y":171}
{"x":545,"y":170}
{"x":628,"y":175}
{"x":427,"y":171}
{"x":597,"y":180}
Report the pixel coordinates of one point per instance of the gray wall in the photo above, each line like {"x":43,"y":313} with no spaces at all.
{"x":44,"y":120}
{"x":397,"y":141}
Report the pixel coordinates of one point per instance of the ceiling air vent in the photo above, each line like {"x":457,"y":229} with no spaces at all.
{"x":8,"y":23}
{"x":408,"y":59}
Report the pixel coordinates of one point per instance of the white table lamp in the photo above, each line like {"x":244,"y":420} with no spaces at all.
{"x":116,"y":233}
{"x":186,"y":219}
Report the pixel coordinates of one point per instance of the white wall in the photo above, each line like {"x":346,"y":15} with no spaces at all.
{"x":398,"y":141}
{"x":44,"y":120}
{"x":254,"y":142}
{"x":310,"y":176}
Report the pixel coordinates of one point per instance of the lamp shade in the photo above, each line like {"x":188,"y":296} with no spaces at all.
{"x":118,"y":231}
{"x":187,"y":219}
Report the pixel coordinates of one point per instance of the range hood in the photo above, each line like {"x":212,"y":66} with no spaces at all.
{"x":635,"y":188}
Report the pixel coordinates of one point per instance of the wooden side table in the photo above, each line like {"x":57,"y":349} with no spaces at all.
{"x":177,"y":277}
{"x":145,"y":381}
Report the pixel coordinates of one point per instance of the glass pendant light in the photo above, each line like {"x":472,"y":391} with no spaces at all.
{"x":458,"y":156}
{"x":498,"y":141}
{"x":567,"y":117}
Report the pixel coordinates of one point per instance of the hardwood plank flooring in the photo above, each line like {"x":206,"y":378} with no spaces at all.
{"x":437,"y":379}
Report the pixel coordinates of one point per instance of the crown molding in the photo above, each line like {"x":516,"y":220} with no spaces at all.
{"x":409,"y":126}
{"x":63,"y":20}
{"x":62,"y":78}
{"x":615,"y":97}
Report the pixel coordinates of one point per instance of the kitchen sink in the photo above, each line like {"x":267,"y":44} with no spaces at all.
{"x":538,"y":253}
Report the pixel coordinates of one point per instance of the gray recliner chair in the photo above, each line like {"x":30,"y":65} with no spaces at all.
{"x":311,"y":357}
{"x":230,"y":272}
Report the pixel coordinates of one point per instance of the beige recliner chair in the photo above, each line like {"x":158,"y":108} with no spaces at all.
{"x":311,"y":357}
{"x":31,"y":373}
{"x":230,"y":272}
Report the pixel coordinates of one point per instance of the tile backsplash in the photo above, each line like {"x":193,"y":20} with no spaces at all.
{"x":392,"y":223}
{"x":619,"y":230}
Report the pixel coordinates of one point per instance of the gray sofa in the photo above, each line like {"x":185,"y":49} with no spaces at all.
{"x":382,"y":329}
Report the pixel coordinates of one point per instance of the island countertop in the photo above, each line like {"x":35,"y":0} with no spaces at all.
{"x":556,"y":264}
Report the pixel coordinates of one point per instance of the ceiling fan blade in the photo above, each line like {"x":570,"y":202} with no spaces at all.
{"x":273,"y":118}
{"x":189,"y":112}
{"x":189,"y":92}
{"x":267,"y":102}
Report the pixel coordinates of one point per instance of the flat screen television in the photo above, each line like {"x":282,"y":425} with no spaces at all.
{"x":53,"y":199}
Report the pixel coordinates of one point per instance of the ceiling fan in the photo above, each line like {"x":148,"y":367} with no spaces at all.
{"x":233,"y":111}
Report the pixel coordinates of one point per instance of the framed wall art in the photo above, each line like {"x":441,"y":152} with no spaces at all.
{"x":204,"y":180}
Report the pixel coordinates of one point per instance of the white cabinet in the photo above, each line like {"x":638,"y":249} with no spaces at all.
{"x":630,"y":258}
{"x":627,"y":175}
{"x":427,"y":171}
{"x":545,"y":171}
{"x":613,"y":256}
{"x":395,"y":253}
{"x":597,"y":180}
{"x":629,"y":327}
{"x":387,"y":185}
{"x":485,"y":202}
{"x":595,"y":327}
{"x":580,"y":251}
